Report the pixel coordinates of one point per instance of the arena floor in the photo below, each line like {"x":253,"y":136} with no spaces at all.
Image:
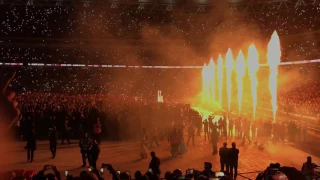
{"x":124,"y":156}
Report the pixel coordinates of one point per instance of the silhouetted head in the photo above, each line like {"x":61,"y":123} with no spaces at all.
{"x":309,"y":159}
{"x":137,"y":174}
{"x":207,"y":166}
{"x":225,"y":144}
{"x":153,"y":154}
{"x":167,"y":175}
{"x":124,"y":176}
{"x":233,"y":145}
{"x":177,"y":173}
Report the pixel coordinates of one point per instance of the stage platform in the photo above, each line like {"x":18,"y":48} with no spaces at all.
{"x":124,"y":156}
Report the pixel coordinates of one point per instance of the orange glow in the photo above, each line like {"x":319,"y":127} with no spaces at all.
{"x":253,"y":67}
{"x":208,"y":83}
{"x":240,"y":70}
{"x":274,"y":59}
{"x":213,"y":80}
{"x":229,"y":69}
{"x":220,"y":78}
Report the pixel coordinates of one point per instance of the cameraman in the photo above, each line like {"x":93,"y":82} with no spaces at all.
{"x":280,"y":173}
{"x":308,"y":167}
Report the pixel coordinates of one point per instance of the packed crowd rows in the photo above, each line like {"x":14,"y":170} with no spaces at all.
{"x":95,"y":22}
{"x":169,"y":53}
{"x":51,"y":172}
{"x":121,"y":116}
{"x":300,"y":96}
{"x":71,"y":35}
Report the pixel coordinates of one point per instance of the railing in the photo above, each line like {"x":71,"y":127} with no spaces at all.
{"x":244,"y":174}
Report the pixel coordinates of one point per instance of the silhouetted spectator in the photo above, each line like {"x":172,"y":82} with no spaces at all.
{"x":224,"y":157}
{"x":154,"y":163}
{"x":233,"y":155}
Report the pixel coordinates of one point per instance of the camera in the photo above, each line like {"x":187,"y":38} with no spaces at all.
{"x":189,"y":172}
{"x":106,"y":166}
{"x":270,"y":172}
{"x":220,"y":174}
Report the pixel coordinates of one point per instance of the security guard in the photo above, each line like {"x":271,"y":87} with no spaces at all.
{"x":85,"y":145}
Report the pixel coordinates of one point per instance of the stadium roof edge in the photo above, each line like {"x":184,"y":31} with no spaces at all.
{"x":199,"y":6}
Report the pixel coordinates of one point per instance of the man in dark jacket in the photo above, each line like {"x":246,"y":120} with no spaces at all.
{"x":233,"y":155}
{"x":53,"y":141}
{"x":154,"y":163}
{"x":214,"y":141}
{"x":94,"y":154}
{"x":85,"y":146}
{"x":190,"y":134}
{"x":223,"y":153}
{"x":206,"y":129}
{"x":31,"y":145}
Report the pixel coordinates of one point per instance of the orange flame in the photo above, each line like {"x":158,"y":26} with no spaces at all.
{"x":220,"y":77}
{"x":240,"y":69}
{"x":274,"y":59}
{"x":212,"y":81}
{"x":204,"y":83}
{"x":253,"y":66}
{"x":208,"y":83}
{"x":229,"y":68}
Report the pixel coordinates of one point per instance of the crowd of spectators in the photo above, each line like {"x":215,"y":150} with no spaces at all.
{"x":80,"y":96}
{"x":122,"y":117}
{"x":95,"y":36}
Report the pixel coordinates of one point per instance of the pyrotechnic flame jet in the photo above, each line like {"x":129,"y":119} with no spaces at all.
{"x":240,"y":69}
{"x":212,"y":80}
{"x":204,"y":83}
{"x":274,"y":59}
{"x":229,"y":68}
{"x":220,"y":77}
{"x":253,"y":67}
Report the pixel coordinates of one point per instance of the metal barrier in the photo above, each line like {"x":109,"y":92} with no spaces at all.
{"x":252,"y":172}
